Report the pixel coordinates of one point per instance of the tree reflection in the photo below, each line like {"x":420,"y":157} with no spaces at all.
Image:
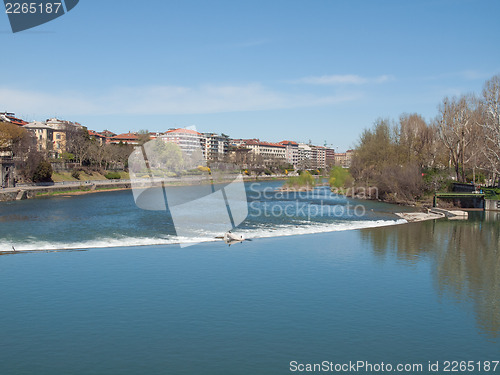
{"x":465,"y":259}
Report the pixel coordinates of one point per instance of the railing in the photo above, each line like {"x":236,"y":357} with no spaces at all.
{"x":74,"y":183}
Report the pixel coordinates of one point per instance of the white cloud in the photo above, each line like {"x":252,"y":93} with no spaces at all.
{"x":347,"y":79}
{"x":163,"y":100}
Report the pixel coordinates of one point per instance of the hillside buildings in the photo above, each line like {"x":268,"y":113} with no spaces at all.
{"x":219,"y":147}
{"x":53,"y":136}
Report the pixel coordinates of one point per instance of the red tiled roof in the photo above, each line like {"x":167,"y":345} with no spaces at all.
{"x":16,"y":121}
{"x":95,"y":134}
{"x":129,"y":136}
{"x":107,"y":133}
{"x":289,"y":142}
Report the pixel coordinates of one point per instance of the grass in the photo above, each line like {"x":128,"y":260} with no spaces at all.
{"x":79,"y":190}
{"x":48,"y":194}
{"x":492,"y":193}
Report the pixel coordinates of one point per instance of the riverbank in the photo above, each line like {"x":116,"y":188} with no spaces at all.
{"x":30,"y":192}
{"x":88,"y":187}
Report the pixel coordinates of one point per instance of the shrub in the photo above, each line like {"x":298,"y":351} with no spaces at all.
{"x":492,"y":193}
{"x":202,"y":168}
{"x":340,"y":177}
{"x":437,"y":180}
{"x":75,"y":174}
{"x":113,"y":175}
{"x":400,"y":183}
{"x":68,"y":156}
{"x":480,"y":178}
{"x":43,"y":172}
{"x":305,"y":179}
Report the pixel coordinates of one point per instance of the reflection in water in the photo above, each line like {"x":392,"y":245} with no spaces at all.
{"x":465,"y":258}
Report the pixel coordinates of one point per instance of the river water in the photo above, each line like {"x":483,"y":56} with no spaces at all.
{"x":331,"y":287}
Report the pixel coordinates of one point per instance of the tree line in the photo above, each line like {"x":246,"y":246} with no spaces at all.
{"x":408,"y":157}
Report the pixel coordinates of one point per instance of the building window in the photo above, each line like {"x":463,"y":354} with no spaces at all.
{"x":58,"y":136}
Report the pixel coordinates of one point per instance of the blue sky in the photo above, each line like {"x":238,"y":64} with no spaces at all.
{"x":301,"y":70}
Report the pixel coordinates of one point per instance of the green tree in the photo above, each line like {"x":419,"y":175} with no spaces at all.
{"x":43,"y":172}
{"x":304,"y":180}
{"x":10,"y":134}
{"x":340,"y":177}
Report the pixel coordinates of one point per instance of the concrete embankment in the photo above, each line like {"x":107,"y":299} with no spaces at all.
{"x":433,"y":214}
{"x":29,"y":192}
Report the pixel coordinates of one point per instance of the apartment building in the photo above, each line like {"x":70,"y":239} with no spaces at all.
{"x":44,"y":135}
{"x":215,"y":146}
{"x":188,"y":140}
{"x":270,"y":153}
{"x":305,"y":156}
{"x":291,"y":152}
{"x":330,"y":156}
{"x":344,"y":159}
{"x":318,"y":157}
{"x":52,"y":135}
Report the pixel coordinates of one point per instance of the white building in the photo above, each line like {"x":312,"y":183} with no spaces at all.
{"x":270,"y":152}
{"x":187,"y":139}
{"x":305,"y":156}
{"x":291,"y":152}
{"x":215,"y":146}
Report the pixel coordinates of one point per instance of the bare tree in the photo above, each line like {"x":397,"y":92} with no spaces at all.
{"x":98,"y":154}
{"x":458,"y":131}
{"x":417,"y":140}
{"x":78,"y":142}
{"x":491,"y":122}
